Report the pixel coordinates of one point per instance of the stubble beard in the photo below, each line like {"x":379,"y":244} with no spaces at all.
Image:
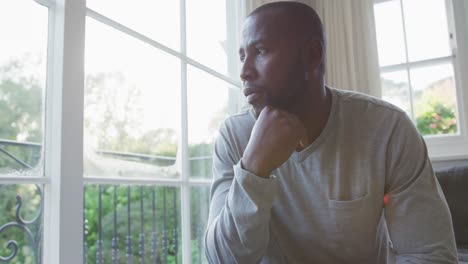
{"x":292,"y":97}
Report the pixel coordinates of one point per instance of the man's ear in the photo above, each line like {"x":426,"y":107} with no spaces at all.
{"x":313,"y":55}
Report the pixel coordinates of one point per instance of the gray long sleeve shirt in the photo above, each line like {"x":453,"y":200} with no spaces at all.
{"x":325,"y":204}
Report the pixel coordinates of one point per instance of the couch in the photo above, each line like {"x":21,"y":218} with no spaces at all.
{"x":454,"y":183}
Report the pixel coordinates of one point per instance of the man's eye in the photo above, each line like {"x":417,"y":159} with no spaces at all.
{"x":261,"y":50}
{"x":242,"y":58}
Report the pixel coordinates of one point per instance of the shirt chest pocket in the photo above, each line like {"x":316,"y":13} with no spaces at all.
{"x":351,"y":204}
{"x":348,"y":189}
{"x":351,"y":222}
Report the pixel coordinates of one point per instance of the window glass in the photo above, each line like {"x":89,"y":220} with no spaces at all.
{"x":21,"y":221}
{"x":390,"y":38}
{"x":132,"y":224}
{"x":395,"y":89}
{"x":208,"y":106}
{"x":23,"y":65}
{"x":199,"y":204}
{"x":426,"y":29}
{"x":206,"y":34}
{"x":132,"y":106}
{"x":435,"y":99}
{"x":159,"y":20}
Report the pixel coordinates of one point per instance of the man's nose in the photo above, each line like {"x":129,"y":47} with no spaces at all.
{"x":248,"y":71}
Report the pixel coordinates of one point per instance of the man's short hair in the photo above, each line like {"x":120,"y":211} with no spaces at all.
{"x":301,"y":15}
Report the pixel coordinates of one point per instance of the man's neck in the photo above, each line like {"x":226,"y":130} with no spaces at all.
{"x":314,"y":112}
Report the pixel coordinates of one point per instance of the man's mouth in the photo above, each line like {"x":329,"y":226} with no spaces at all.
{"x":253,"y":95}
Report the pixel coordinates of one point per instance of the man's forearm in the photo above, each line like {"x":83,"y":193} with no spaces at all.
{"x":239,"y":232}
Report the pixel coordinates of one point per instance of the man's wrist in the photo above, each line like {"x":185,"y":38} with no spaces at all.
{"x":247,"y":166}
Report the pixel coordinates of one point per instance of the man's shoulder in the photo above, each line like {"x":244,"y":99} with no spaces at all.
{"x":238,"y":125}
{"x":358,"y":99}
{"x":235,"y":130}
{"x":359,"y":112}
{"x":241,"y":122}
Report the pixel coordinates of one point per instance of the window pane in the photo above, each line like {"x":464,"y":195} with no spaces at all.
{"x":159,"y":20}
{"x":389,"y":27}
{"x":132,"y":106}
{"x":206,"y":34}
{"x":395,"y":89}
{"x":21,"y":230}
{"x":132,"y":224}
{"x":435,"y":99}
{"x":23,"y":60}
{"x":199,"y":217}
{"x":426,"y":29}
{"x":208,"y":105}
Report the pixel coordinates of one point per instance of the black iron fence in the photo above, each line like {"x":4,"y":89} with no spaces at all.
{"x":122,"y":223}
{"x":131,"y":224}
{"x":21,"y":224}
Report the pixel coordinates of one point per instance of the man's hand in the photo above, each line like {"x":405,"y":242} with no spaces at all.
{"x":275,"y":136}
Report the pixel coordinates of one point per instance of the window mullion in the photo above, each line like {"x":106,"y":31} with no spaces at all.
{"x":451,"y":27}
{"x":63,"y":206}
{"x":460,"y":22}
{"x":184,"y":154}
{"x":407,"y":61}
{"x":416,"y":64}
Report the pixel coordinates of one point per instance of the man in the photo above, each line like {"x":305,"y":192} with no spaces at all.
{"x":301,"y":177}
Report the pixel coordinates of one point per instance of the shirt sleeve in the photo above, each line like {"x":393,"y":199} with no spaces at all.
{"x":238,"y":229}
{"x":417,"y":215}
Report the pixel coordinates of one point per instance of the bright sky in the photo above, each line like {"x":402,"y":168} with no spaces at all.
{"x":154,"y":72}
{"x":25,"y":34}
{"x":426,"y":29}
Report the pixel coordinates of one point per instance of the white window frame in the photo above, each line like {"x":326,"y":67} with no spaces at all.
{"x":451,"y":147}
{"x":63,"y":179}
{"x":63,"y":151}
{"x":63,"y":148}
{"x":185,"y":182}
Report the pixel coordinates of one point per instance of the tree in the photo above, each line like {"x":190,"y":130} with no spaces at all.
{"x":113,"y":117}
{"x":21,"y":105}
{"x":21,"y":108}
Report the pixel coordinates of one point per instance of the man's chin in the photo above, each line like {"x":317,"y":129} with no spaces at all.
{"x":258,"y":108}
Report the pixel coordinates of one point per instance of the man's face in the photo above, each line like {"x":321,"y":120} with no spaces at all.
{"x":273,"y":71}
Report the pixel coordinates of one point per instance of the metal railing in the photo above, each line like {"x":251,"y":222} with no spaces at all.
{"x":122,"y":224}
{"x":31,"y":229}
{"x":131,"y":222}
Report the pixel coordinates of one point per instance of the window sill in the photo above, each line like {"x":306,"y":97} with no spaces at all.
{"x":444,"y":148}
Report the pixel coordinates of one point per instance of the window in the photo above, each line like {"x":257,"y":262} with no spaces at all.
{"x":109,"y":114}
{"x":23,"y":68}
{"x":420,"y":68}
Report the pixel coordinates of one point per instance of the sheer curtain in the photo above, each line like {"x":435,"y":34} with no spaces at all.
{"x":352,"y":60}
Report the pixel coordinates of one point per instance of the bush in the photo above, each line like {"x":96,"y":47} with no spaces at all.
{"x":439,"y":119}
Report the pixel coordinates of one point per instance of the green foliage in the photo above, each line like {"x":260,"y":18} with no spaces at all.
{"x":30,"y":208}
{"x":199,"y":202}
{"x":439,"y":119}
{"x":21,"y":108}
{"x":20,"y":120}
{"x":200,"y":160}
{"x":170,"y":209}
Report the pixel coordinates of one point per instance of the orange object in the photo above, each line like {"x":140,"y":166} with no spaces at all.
{"x":385,"y":199}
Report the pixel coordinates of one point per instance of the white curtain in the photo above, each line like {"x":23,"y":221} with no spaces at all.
{"x":352,"y":60}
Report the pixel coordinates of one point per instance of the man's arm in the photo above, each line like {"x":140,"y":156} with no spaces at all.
{"x":242,"y":193}
{"x":238,"y":225}
{"x":417,"y":214}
